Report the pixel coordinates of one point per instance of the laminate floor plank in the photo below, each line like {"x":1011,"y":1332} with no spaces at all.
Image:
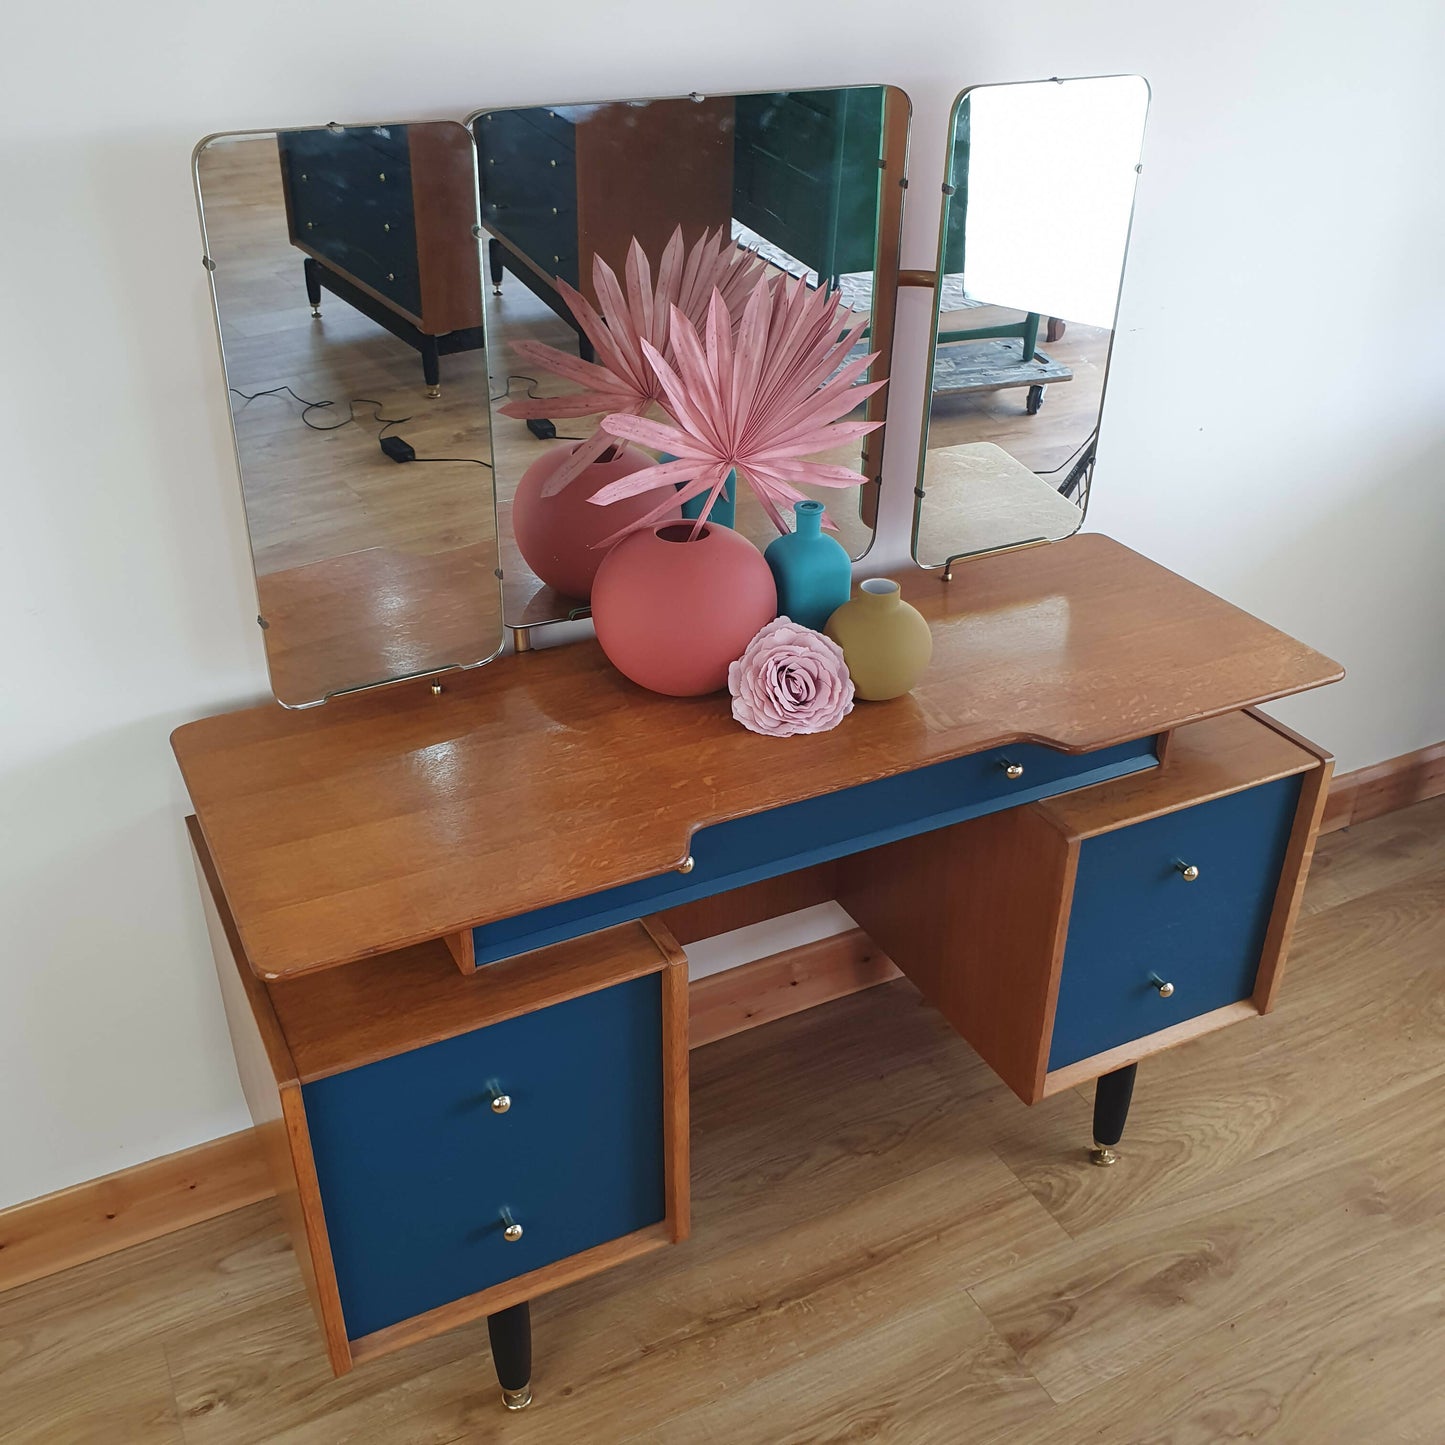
{"x":888,"y":1246}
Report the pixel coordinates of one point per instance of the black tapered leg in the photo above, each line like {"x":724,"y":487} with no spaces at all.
{"x":431,"y":366}
{"x":312,"y":269}
{"x":510,"y":1332}
{"x":494,"y":264}
{"x":1112,"y":1095}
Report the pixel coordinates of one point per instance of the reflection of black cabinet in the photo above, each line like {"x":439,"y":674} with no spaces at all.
{"x":562,"y":185}
{"x":800,"y":168}
{"x":385,"y":216}
{"x":806,"y":174}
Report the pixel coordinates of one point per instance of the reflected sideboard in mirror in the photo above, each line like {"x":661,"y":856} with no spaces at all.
{"x":1038,"y":201}
{"x":346,"y":275}
{"x":811,"y":181}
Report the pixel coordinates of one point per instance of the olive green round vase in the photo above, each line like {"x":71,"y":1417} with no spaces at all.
{"x":886,"y":643}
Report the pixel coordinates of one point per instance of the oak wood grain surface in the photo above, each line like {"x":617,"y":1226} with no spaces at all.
{"x":392,"y":817}
{"x":1263,"y":1263}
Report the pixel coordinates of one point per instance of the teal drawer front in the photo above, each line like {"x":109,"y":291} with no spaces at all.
{"x":1134,"y":914}
{"x":765,"y":845}
{"x":416,"y":1168}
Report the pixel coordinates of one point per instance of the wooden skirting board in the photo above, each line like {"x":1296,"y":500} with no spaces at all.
{"x":1384,"y":787}
{"x":44,"y":1236}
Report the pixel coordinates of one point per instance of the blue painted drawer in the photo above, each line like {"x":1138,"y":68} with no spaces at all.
{"x":1134,"y":914}
{"x":765,"y":845}
{"x":416,"y":1168}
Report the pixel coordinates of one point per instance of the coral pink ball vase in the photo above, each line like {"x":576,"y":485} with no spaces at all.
{"x":557,"y":535}
{"x":672,"y":614}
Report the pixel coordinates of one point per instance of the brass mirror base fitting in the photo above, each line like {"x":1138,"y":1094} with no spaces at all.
{"x":1102,"y":1155}
{"x":517,"y":1399}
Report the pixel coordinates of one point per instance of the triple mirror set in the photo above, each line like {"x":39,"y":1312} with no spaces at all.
{"x":382,"y":293}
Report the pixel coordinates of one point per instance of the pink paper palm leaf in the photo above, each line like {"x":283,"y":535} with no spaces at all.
{"x":623,"y":324}
{"x":760,"y":402}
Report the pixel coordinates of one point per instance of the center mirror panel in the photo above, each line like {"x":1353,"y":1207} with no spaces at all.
{"x":810,"y":182}
{"x":346,"y":274}
{"x":1039,"y":198}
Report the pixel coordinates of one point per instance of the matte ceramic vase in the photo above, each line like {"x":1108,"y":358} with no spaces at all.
{"x":812,"y":571}
{"x":886,"y":643}
{"x":673,"y":613}
{"x":558,"y":535}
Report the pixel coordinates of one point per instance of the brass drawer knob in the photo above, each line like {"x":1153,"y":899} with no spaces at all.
{"x":512,"y":1231}
{"x":1166,"y":989}
{"x":501,"y":1103}
{"x":687,"y":864}
{"x":1012,"y":771}
{"x":1187,"y":871}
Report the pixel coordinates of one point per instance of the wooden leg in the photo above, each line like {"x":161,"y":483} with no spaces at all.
{"x":312,"y":269}
{"x":1055,"y":330}
{"x":1112,"y":1093}
{"x":510,"y":1332}
{"x":431,"y":366}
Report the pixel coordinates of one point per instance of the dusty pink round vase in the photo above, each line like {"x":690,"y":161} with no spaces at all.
{"x":672,"y":613}
{"x":558,"y":535}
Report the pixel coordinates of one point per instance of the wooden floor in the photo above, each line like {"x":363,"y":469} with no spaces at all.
{"x":888,"y":1246}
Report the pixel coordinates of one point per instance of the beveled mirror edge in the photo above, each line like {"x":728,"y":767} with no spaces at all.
{"x":898,"y":132}
{"x":209,"y":266}
{"x":947,"y":191}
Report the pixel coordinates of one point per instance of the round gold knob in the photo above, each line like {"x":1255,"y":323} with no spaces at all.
{"x":386,"y":225}
{"x":1187,"y":871}
{"x":687,"y":864}
{"x":381,"y":176}
{"x":1013,"y":771}
{"x":1166,"y":990}
{"x":391,"y":275}
{"x":512,"y":1233}
{"x":501,"y":1103}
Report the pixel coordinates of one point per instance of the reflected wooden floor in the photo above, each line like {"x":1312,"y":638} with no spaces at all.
{"x":326,"y":507}
{"x":1046,"y":443}
{"x":888,"y":1246}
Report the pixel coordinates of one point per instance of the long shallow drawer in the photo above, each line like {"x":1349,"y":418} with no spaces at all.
{"x":420,"y":1173}
{"x":1137,"y":922}
{"x":765,"y":845}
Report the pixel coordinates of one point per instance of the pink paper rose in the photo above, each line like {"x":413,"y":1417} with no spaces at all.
{"x":790,"y":680}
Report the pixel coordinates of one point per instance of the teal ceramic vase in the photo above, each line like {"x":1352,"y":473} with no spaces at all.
{"x":812,"y":571}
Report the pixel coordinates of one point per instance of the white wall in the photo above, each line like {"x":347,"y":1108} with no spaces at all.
{"x":1275,"y":424}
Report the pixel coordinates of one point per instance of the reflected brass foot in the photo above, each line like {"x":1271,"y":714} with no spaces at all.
{"x":518,"y":1399}
{"x":433,"y":392}
{"x":1102,"y":1155}
{"x":496,"y":290}
{"x":316,"y":313}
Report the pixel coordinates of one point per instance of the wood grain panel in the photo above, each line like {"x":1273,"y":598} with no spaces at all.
{"x":753,"y":903}
{"x":273,"y":1095}
{"x":975,"y":916}
{"x":785,"y":983}
{"x":443,"y":198}
{"x":384,"y":819}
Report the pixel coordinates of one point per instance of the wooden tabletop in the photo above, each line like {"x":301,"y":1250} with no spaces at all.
{"x":387,"y":818}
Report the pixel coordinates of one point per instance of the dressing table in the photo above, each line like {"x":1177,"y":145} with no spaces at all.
{"x":450,"y":918}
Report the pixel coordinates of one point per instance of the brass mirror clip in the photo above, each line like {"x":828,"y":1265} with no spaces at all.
{"x":918,"y":278}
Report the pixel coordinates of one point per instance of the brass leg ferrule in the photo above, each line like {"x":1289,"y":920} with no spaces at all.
{"x":1103,"y":1155}
{"x":316,"y":313}
{"x":433,"y":392}
{"x":518,"y":1399}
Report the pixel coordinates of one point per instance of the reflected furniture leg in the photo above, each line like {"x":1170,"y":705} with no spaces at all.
{"x":1055,"y":331}
{"x":510,"y":1332}
{"x":313,"y":284}
{"x":494,"y":264}
{"x":1112,"y":1095}
{"x":431,"y":366}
